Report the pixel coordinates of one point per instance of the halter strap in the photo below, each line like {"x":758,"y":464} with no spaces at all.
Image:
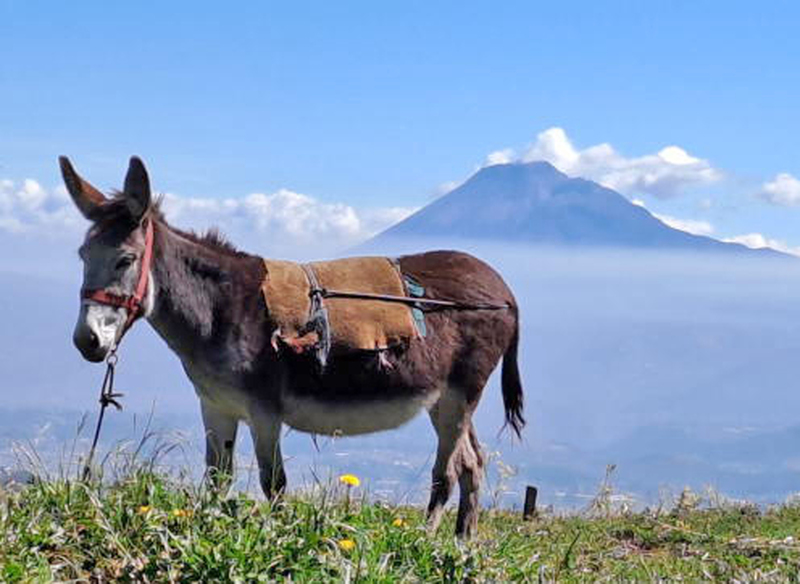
{"x":130,"y":302}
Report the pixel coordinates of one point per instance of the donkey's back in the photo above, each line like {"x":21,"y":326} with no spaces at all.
{"x":461,"y":339}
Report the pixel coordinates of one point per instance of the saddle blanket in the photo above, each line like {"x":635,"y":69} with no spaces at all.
{"x":338,"y":324}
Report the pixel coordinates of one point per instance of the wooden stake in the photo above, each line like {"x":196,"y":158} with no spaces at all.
{"x":529,"y":510}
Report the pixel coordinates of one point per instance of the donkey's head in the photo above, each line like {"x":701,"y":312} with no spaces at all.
{"x":117,"y":287}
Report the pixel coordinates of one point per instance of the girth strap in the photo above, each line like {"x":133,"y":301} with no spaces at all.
{"x":318,"y":316}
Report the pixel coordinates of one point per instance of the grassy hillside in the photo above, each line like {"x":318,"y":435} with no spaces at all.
{"x":152,"y":528}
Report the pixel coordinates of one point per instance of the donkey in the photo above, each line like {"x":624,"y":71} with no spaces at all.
{"x":204,"y":298}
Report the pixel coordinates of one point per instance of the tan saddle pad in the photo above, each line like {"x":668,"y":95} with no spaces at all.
{"x":355,"y":324}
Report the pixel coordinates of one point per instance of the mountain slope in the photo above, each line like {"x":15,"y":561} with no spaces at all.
{"x":536,"y":203}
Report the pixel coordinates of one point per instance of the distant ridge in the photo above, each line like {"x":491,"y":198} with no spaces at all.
{"x":536,"y":203}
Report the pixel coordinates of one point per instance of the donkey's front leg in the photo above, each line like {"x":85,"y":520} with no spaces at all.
{"x":220,"y":430}
{"x":265,"y":427}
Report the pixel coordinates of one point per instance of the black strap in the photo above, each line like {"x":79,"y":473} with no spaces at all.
{"x":324,"y":293}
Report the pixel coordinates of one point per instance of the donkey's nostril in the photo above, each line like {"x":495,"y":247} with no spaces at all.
{"x":88,"y":343}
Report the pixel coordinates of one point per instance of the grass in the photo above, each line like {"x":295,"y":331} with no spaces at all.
{"x":149,"y":527}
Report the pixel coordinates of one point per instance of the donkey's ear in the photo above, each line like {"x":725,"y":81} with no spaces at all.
{"x":137,"y":188}
{"x":87,"y":198}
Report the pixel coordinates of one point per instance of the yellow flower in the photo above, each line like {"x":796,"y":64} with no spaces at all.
{"x":181,"y":512}
{"x":144,"y":509}
{"x":350,"y":480}
{"x":399,"y":522}
{"x":347,"y":545}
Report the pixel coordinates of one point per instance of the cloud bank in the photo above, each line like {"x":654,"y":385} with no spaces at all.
{"x":664,"y":174}
{"x":700,"y":227}
{"x":758,"y":241}
{"x":294,"y":224}
{"x":284,"y":220}
{"x":281,"y":222}
{"x":27,"y":207}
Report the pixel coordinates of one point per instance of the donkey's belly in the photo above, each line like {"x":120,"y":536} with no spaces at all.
{"x":352,"y":417}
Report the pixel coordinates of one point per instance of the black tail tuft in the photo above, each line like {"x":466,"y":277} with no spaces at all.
{"x":512,"y":386}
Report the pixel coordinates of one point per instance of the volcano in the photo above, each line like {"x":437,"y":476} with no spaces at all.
{"x":536,"y":203}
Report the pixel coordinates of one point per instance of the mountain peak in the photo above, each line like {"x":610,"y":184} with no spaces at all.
{"x":538,"y":171}
{"x":536,"y":166}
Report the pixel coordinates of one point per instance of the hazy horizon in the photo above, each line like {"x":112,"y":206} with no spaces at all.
{"x":619,"y":348}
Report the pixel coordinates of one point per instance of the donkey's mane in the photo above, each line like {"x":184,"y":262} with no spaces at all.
{"x":212,"y":239}
{"x":115,"y":209}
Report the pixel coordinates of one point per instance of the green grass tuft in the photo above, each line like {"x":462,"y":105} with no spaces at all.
{"x":149,"y":527}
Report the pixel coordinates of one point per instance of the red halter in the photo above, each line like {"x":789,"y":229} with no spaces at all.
{"x":132,"y":302}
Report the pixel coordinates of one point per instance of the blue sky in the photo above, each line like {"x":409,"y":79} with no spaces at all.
{"x":372,"y":105}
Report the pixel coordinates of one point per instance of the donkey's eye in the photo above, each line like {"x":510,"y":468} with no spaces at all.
{"x":124,"y":262}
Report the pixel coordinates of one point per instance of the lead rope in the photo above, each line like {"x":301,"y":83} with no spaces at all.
{"x":133,"y":304}
{"x":107,"y":398}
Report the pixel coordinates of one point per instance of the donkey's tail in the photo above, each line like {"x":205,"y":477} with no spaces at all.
{"x":512,"y":385}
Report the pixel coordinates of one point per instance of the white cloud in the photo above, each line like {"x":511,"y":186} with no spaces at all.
{"x":784,"y":189}
{"x":283,"y":221}
{"x":694,"y":226}
{"x":759,"y":241}
{"x":30,"y":208}
{"x":664,"y":174}
{"x":700,"y":227}
{"x":500,"y":157}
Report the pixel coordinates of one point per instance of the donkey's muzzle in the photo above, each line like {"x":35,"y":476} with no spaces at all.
{"x":87,"y":342}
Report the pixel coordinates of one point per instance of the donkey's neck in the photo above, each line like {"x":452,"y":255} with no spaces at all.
{"x":198,"y":288}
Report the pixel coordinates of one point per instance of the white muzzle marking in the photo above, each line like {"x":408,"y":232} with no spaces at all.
{"x":104,"y":321}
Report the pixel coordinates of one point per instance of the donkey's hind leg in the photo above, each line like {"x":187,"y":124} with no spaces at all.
{"x":220,"y":429}
{"x":449,"y":416}
{"x":471,"y":463}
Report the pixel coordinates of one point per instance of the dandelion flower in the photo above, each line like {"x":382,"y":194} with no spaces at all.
{"x":181,"y":512}
{"x":144,"y":509}
{"x":399,"y":522}
{"x":350,"y":480}
{"x":347,"y":545}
